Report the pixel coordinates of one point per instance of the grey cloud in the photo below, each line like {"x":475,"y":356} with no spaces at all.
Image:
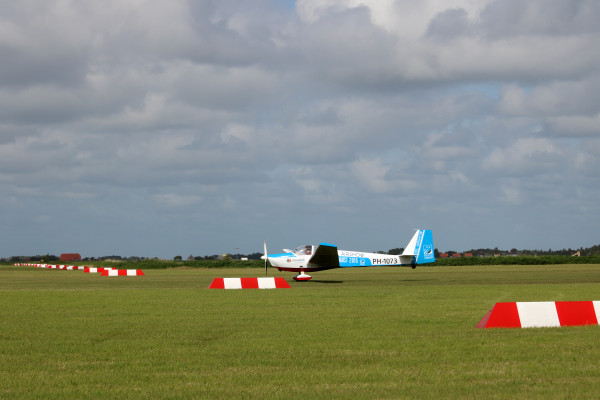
{"x":526,"y":156}
{"x":449,"y":24}
{"x":234,"y":119}
{"x":346,"y":48}
{"x":39,"y":45}
{"x":222,"y":88}
{"x":509,"y":18}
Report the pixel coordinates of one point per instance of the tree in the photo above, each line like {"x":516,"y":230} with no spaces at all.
{"x":395,"y":251}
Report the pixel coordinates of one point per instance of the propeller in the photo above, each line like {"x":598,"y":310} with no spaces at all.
{"x":266,"y":256}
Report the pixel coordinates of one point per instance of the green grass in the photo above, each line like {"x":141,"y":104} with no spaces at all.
{"x":348,"y":333}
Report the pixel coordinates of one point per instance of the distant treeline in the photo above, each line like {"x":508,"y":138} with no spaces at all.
{"x":494,"y":256}
{"x":154,"y":263}
{"x":517,"y":260}
{"x":454,"y":261}
{"x":590,"y":251}
{"x":50,"y":258}
{"x":228,"y":262}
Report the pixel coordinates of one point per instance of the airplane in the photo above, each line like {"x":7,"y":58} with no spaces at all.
{"x":325,"y":256}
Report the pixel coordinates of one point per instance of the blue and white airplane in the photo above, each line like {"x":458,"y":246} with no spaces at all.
{"x":311,"y":258}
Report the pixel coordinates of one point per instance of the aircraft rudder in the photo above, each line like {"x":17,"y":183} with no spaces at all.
{"x":426,"y":250}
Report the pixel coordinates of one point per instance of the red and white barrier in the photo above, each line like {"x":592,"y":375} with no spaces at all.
{"x":249,"y":283}
{"x":72,"y":268}
{"x":99,"y":270}
{"x":542,"y":314}
{"x":50,"y":266}
{"x":122,"y":272}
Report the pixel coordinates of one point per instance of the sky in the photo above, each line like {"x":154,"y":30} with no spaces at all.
{"x":164,"y":128}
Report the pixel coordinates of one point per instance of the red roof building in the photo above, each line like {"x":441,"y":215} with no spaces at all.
{"x":70,"y":257}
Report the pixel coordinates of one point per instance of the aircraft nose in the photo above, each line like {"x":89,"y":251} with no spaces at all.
{"x":263,"y":257}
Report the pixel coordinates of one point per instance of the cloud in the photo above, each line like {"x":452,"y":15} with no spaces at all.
{"x":525,"y":156}
{"x":449,"y":24}
{"x":371,"y":174}
{"x":501,"y":19}
{"x":177,"y":200}
{"x":576,"y":125}
{"x":232,"y":121}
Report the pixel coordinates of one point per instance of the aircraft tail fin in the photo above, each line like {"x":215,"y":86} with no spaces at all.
{"x":420,"y":249}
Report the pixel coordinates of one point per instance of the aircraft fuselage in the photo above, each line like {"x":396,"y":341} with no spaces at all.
{"x":311,"y":258}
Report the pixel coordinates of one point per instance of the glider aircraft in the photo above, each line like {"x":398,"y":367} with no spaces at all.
{"x":311,"y":258}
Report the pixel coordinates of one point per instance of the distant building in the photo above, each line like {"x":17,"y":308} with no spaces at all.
{"x":70,"y":257}
{"x":451,"y":254}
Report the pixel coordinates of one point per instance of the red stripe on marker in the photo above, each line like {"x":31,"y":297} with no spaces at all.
{"x":504,"y":315}
{"x":249,"y":283}
{"x":575,"y":313}
{"x":217,"y":283}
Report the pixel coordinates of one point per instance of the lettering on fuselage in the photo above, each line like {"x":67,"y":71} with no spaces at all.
{"x":356,"y":259}
{"x":385,"y":261}
{"x":352,"y":260}
{"x":296,"y":259}
{"x":350,"y":253}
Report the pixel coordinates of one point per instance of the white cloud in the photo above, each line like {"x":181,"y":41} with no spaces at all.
{"x":178,"y":200}
{"x":408,"y":19}
{"x":371,"y":174}
{"x":511,"y":194}
{"x":526,"y":156}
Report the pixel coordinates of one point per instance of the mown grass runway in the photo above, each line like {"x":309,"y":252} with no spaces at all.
{"x":348,"y":333}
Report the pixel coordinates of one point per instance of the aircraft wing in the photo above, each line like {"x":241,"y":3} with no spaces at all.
{"x":325,"y":256}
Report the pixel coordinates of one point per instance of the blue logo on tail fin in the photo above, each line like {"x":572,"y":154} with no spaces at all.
{"x":425,"y":253}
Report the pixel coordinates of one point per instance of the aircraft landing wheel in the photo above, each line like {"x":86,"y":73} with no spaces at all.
{"x":302,"y":277}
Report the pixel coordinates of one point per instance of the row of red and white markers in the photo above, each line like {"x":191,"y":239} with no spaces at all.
{"x":91,"y":270}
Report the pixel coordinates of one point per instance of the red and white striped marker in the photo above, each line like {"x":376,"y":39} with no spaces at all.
{"x":542,"y":314}
{"x":249,"y":283}
{"x":122,"y":272}
{"x":50,"y":266}
{"x":92,"y":270}
{"x":72,"y":267}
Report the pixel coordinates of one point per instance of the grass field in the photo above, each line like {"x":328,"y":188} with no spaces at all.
{"x":348,"y":333}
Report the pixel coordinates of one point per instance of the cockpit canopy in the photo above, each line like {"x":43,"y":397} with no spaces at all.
{"x":305,"y":250}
